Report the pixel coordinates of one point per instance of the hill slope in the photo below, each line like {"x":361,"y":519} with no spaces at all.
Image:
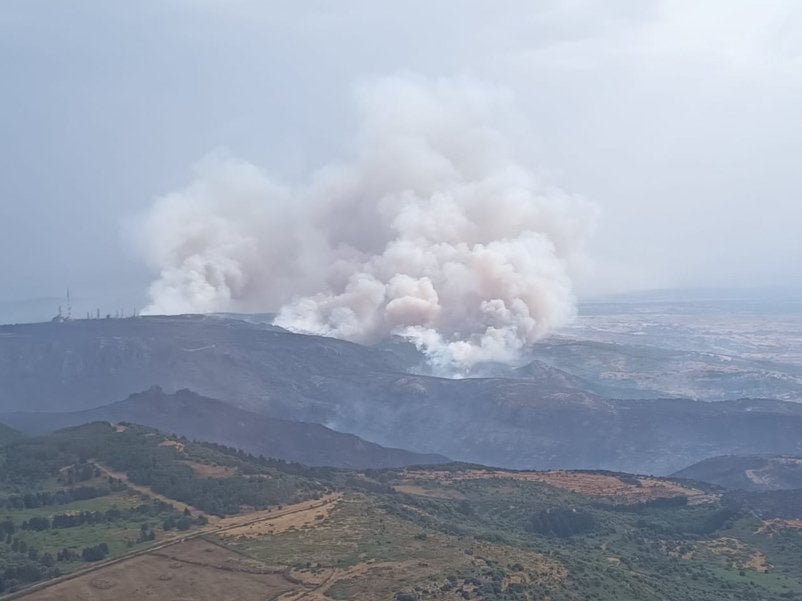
{"x":441,"y":534}
{"x":750,"y":473}
{"x":188,"y":414}
{"x":8,"y":434}
{"x":539,"y":422}
{"x":82,"y":364}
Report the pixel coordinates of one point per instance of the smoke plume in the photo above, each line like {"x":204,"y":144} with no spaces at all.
{"x":435,"y":231}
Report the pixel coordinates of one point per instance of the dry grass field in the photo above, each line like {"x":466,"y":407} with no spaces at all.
{"x":361,"y":552}
{"x":195,"y":570}
{"x":301,"y":515}
{"x":776,"y":526}
{"x":632,"y":489}
{"x":337,"y":547}
{"x":204,"y":470}
{"x":188,"y":568}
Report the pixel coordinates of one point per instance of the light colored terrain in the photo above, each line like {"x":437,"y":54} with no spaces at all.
{"x":633,"y":489}
{"x":361,"y":552}
{"x":190,"y":571}
{"x":303,"y":515}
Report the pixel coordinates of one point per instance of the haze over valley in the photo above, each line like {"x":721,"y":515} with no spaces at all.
{"x":611,"y":392}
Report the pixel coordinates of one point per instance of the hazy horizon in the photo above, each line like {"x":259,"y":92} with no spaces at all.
{"x":771,"y":299}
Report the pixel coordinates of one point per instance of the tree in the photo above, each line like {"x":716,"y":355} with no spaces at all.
{"x":95,"y":553}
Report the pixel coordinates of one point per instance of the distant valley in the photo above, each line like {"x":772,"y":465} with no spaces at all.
{"x":537,"y":417}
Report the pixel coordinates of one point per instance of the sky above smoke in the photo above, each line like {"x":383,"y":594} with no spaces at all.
{"x":678,"y":121}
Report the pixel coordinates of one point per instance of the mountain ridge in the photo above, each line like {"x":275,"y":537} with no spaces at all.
{"x":188,"y":414}
{"x":752,"y":473}
{"x":544,"y":421}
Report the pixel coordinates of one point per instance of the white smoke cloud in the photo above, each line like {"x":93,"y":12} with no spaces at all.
{"x":436,"y":231}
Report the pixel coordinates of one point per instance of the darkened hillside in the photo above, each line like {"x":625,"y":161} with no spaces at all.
{"x":8,"y":434}
{"x":188,"y":414}
{"x":751,"y":473}
{"x":538,"y":422}
{"x":82,"y":364}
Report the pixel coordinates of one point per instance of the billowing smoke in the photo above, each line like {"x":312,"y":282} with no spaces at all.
{"x":435,"y":231}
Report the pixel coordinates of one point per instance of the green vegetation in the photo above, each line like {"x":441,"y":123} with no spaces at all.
{"x":71,"y":456}
{"x":658,"y":551}
{"x":783,"y":504}
{"x":48,"y":540}
{"x":422,"y":534}
{"x":8,"y":435}
{"x":59,"y":510}
{"x":561,"y":522}
{"x":504,"y":539}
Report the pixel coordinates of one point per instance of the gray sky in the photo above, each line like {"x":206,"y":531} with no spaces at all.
{"x":681,"y":120}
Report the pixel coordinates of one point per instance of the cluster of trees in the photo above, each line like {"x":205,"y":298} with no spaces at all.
{"x":490,"y":583}
{"x":252,"y":464}
{"x":68,"y":555}
{"x":95,"y":553}
{"x":218,"y":496}
{"x":73,"y":520}
{"x":78,"y":473}
{"x":33,"y":500}
{"x":29,"y":461}
{"x":183,"y":522}
{"x":162,"y":470}
{"x":137,"y":452}
{"x":645,"y":506}
{"x":29,"y":465}
{"x":92,"y":553}
{"x":21,"y":564}
{"x":782,"y":504}
{"x":561,"y":522}
{"x":36,"y":524}
{"x":7,"y":527}
{"x":76,"y":519}
{"x":688,"y":522}
{"x":146,"y":533}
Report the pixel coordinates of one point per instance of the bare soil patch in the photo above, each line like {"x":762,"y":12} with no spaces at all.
{"x":757,"y":562}
{"x":739,"y":554}
{"x":191,"y":571}
{"x":168,"y":442}
{"x":301,"y":515}
{"x":436,"y":492}
{"x":772,"y":527}
{"x":630,"y":489}
{"x":361,"y":552}
{"x":204,"y":470}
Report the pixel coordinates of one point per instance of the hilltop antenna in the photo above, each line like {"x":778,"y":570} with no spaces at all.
{"x":69,"y":305}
